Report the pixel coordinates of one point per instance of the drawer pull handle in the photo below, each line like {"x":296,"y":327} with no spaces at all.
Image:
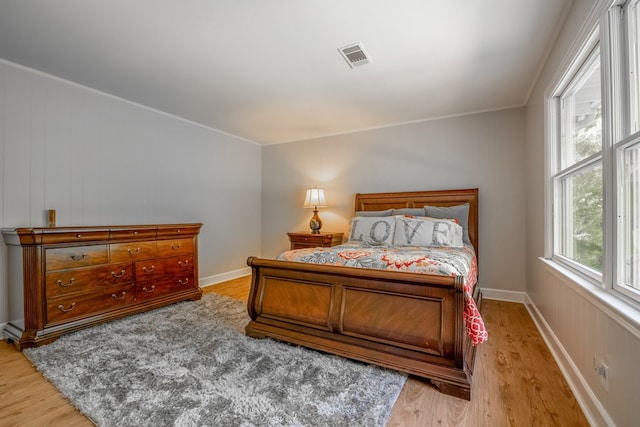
{"x":116,"y":275}
{"x":114,"y":296}
{"x":149,"y":270}
{"x":66,"y":310}
{"x":77,"y":257}
{"x":78,"y":236}
{"x":178,"y":230}
{"x":136,"y":251}
{"x":185,"y":281}
{"x":65,"y":285}
{"x":183,"y":263}
{"x":153,"y":288}
{"x":135,"y":233}
{"x":176,"y":247}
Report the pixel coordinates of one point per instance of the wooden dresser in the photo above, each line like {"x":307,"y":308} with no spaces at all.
{"x":66,"y":278}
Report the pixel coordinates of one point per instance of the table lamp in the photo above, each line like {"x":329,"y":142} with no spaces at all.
{"x":315,"y":199}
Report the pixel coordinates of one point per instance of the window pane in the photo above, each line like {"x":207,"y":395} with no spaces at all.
{"x":581,"y":217}
{"x":633,"y":18}
{"x":581,"y":103}
{"x":629,"y":229}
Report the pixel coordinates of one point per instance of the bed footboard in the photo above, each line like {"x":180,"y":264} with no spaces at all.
{"x":404,"y":321}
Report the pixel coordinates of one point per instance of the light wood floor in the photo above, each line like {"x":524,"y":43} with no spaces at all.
{"x":516,"y":382}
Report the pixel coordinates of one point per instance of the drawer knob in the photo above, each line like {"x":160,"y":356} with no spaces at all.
{"x":136,"y":251}
{"x":66,"y":310}
{"x":183,"y":263}
{"x":151,"y":289}
{"x":116,"y":275}
{"x":78,"y":236}
{"x":114,"y":296}
{"x":176,"y":247}
{"x":183,"y":282}
{"x":148,"y":270}
{"x":77,"y":257}
{"x":65,"y":285}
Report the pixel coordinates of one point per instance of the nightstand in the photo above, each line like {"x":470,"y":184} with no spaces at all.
{"x":303,"y":240}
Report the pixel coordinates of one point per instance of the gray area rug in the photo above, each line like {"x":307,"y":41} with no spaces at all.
{"x":190,"y":364}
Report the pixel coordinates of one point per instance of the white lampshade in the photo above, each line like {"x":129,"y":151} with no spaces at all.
{"x":315,"y":198}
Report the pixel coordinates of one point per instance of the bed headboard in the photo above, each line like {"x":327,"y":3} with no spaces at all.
{"x":417,"y":199}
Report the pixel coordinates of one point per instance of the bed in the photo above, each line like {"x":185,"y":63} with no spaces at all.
{"x":424,"y":324}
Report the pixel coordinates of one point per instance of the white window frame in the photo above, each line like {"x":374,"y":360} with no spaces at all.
{"x":607,"y":28}
{"x":618,"y":286}
{"x":557,"y":172}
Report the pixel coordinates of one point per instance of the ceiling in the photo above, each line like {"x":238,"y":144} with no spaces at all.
{"x":270,"y":71}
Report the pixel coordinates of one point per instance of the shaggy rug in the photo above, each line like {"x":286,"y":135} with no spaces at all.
{"x":190,"y":364}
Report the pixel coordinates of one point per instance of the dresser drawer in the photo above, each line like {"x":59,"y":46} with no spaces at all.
{"x":177,"y":230}
{"x":178,"y":265}
{"x":120,"y":252}
{"x":161,"y":287}
{"x":147,"y":270}
{"x":84,"y":305}
{"x":174,"y":247}
{"x":155,"y":268}
{"x":139,"y":233}
{"x":305,"y":245}
{"x":88,"y":279}
{"x":77,"y":256}
{"x":61,"y":235}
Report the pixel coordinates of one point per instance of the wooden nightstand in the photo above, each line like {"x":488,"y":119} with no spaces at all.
{"x":303,"y":240}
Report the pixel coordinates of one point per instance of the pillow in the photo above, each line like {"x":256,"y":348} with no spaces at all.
{"x":459,"y":212}
{"x":427,"y":232}
{"x":409,"y":211}
{"x":388,"y":212}
{"x":372,"y":230}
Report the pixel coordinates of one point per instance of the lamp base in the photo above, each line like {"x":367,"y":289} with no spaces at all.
{"x":315,"y":223}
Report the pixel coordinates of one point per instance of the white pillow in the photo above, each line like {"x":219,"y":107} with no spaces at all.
{"x":372,"y":230}
{"x":427,"y":232}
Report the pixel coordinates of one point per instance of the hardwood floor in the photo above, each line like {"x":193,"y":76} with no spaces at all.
{"x":516,"y":382}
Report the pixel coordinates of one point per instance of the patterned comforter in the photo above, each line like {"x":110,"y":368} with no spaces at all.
{"x":443,"y":261}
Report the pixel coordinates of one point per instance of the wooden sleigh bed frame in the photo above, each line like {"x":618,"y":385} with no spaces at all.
{"x":404,"y":321}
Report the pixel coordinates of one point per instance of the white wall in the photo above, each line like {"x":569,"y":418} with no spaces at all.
{"x":579,"y":326}
{"x":100,"y":160}
{"x":483,"y":150}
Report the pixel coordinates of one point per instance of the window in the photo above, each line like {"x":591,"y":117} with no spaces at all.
{"x":626,"y":160}
{"x":578,"y":185}
{"x":629,"y":219}
{"x":631,"y":13}
{"x":581,"y":110}
{"x":594,"y":166}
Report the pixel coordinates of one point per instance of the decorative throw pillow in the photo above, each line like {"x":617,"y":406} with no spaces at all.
{"x":427,"y":232}
{"x":459,"y":212}
{"x":372,"y":230}
{"x":387,"y":212}
{"x":409,"y":211}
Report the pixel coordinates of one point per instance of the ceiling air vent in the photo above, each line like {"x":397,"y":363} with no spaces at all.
{"x":355,"y":55}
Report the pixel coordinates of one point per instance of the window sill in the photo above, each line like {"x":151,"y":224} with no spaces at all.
{"x":623,"y":312}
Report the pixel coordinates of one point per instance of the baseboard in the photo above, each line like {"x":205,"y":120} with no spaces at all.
{"x":223,"y":277}
{"x":593,"y":410}
{"x":499,"y":294}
